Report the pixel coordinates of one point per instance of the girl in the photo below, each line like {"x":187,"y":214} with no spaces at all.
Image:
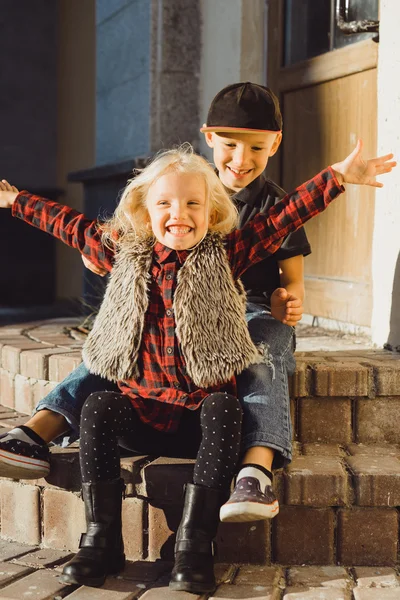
{"x":171,"y":332}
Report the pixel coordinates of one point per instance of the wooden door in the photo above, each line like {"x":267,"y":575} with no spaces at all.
{"x":328,"y":101}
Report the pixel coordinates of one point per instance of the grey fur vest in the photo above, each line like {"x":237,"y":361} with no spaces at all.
{"x":209,"y":308}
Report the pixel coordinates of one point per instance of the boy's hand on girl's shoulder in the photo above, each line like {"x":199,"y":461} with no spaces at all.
{"x":8,"y":193}
{"x":354,"y":169}
{"x":285,"y":307}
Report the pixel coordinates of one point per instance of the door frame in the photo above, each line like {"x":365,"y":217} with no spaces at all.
{"x":334,"y":64}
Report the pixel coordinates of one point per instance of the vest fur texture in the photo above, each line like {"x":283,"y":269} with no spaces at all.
{"x":209,"y":308}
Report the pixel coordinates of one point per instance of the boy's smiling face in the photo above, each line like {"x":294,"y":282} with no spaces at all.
{"x":242,"y":157}
{"x":177,"y":204}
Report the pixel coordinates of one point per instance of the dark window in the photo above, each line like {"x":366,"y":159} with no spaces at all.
{"x":357,"y":11}
{"x":307,"y":29}
{"x":310,"y":26}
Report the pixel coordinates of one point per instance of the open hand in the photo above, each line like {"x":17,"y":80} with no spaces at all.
{"x":8,"y":193}
{"x":285,"y":307}
{"x":354,"y":169}
{"x":92,"y":267}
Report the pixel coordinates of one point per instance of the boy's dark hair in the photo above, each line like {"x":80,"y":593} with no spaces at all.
{"x":244,"y":107}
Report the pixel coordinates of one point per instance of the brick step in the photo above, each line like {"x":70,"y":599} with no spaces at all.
{"x":339,"y":505}
{"x":24,"y":568}
{"x":339,"y":497}
{"x":336,"y":397}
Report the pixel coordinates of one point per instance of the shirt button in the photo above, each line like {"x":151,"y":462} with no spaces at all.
{"x":168,"y":312}
{"x":169,"y":350}
{"x":169,"y":276}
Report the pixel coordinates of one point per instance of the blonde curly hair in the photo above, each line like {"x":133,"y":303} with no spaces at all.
{"x":131,"y":213}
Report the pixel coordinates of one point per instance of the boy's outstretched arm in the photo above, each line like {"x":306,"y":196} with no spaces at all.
{"x":287,"y":301}
{"x":263,"y":235}
{"x":354,"y":169}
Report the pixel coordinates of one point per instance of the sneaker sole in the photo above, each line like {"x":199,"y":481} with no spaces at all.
{"x":22,"y":467}
{"x":247,"y":511}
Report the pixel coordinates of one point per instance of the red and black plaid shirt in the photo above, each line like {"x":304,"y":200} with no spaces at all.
{"x":164,"y":388}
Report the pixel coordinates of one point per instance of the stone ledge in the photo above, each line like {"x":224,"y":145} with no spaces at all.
{"x":109,"y":171}
{"x":48,"y":351}
{"x":312,"y":535}
{"x":336,"y":507}
{"x":337,"y":397}
{"x":319,"y":475}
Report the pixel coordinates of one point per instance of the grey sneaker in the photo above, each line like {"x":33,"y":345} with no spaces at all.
{"x":248,"y":503}
{"x":20,"y":460}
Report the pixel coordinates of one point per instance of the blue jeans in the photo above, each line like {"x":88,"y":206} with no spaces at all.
{"x":262,"y":390}
{"x":69,"y":396}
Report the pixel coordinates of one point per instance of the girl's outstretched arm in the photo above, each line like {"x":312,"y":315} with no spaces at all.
{"x":8,"y":193}
{"x":62,"y":222}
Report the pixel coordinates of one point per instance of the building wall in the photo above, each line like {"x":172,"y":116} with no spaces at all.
{"x":386,"y":241}
{"x":76,"y":121}
{"x":28,"y":93}
{"x":174,"y":78}
{"x":233,"y":48}
{"x":123,"y":79}
{"x":28,"y":117}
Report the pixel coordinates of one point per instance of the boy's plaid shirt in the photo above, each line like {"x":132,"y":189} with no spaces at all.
{"x":164,"y":388}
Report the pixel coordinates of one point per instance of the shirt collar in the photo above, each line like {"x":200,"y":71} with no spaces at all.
{"x":163,"y":254}
{"x":249,"y":194}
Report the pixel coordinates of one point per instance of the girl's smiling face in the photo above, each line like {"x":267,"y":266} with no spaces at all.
{"x":177,"y":204}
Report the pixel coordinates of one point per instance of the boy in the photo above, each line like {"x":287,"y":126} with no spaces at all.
{"x":244,"y":128}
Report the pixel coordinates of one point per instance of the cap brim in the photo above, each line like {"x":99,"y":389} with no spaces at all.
{"x":237,"y":130}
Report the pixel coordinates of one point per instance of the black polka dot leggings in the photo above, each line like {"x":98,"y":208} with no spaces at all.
{"x":211,"y":434}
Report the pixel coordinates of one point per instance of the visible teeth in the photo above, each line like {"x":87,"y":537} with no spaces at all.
{"x":179,"y":229}
{"x":239,"y":172}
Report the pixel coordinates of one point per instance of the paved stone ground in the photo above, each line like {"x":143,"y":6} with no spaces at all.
{"x":28,"y":572}
{"x":315,"y":339}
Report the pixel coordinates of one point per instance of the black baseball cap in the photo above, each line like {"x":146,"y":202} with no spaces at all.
{"x":244,"y":107}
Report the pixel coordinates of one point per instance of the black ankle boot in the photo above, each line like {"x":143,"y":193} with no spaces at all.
{"x":194,"y":557}
{"x":101,"y":550}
